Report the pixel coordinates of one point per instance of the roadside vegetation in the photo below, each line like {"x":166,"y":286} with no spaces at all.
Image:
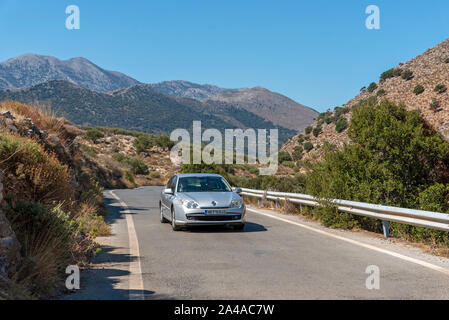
{"x":396,"y":159}
{"x":54,"y":213}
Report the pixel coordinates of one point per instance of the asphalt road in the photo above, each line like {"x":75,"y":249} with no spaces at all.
{"x":269,"y":259}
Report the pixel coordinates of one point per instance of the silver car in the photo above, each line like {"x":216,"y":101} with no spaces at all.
{"x":201,"y":199}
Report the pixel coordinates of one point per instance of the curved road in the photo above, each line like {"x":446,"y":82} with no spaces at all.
{"x":274,"y":257}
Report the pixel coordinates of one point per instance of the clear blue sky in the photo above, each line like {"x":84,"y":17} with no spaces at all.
{"x":317,"y":52}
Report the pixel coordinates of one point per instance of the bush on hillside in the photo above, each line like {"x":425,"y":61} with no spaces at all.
{"x":440,"y":88}
{"x":284,"y":156}
{"x":137,"y":166}
{"x":395,"y":159}
{"x":372,"y":87}
{"x":434,"y":105}
{"x":407,"y":74}
{"x":418,"y":89}
{"x":39,"y":176}
{"x":46,"y":238}
{"x":297,"y":153}
{"x":308,"y":146}
{"x":93,"y":134}
{"x":341,"y":125}
{"x":387,"y":74}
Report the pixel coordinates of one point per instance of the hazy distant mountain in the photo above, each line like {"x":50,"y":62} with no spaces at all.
{"x":272,"y":106}
{"x":185,"y":89}
{"x":139,"y":107}
{"x":31,"y":69}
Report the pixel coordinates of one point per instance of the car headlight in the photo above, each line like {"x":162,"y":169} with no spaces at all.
{"x":190,"y":204}
{"x":236,"y":203}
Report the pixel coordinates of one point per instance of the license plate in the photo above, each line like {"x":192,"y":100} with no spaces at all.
{"x":214,"y":212}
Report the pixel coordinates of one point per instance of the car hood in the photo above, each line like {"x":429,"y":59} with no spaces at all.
{"x":205,"y":199}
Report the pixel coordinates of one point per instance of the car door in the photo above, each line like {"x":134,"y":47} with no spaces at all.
{"x":171,"y":197}
{"x":165,"y":198}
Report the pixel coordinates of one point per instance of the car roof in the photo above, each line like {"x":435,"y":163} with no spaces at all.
{"x":182,"y":175}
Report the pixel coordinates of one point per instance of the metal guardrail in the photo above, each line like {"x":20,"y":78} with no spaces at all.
{"x":419,"y":218}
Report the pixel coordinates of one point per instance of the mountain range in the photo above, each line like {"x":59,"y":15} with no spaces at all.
{"x":91,"y":96}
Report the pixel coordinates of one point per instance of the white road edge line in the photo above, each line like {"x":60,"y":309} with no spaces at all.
{"x":136,"y":290}
{"x":357,"y":243}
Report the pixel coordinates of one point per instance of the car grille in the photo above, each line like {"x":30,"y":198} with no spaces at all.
{"x":228,"y":217}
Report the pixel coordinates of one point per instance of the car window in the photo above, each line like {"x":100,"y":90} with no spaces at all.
{"x":203,"y":184}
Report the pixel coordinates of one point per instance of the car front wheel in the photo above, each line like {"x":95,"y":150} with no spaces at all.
{"x":163,"y":219}
{"x":173,"y":221}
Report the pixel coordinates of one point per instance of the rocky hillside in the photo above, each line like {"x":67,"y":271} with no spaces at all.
{"x":31,"y":69}
{"x":420,"y":83}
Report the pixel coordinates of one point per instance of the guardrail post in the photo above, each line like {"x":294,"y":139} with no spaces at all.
{"x":386,"y":227}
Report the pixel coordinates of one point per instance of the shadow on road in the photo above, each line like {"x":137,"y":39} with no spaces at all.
{"x":249,"y":227}
{"x":107,"y":279}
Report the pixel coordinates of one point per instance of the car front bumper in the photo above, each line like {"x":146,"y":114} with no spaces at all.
{"x":198,"y":217}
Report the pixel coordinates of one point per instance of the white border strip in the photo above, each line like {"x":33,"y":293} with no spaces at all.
{"x":135,"y":267}
{"x":357,"y":243}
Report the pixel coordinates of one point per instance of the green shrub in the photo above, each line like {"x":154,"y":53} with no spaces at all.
{"x":94,"y":134}
{"x":45,"y":236}
{"x":137,"y":166}
{"x":284,"y":156}
{"x":381,"y":92}
{"x":434,"y":105}
{"x":418,"y":89}
{"x":129,"y":176}
{"x":341,"y":125}
{"x":301,"y":138}
{"x":440,"y":88}
{"x":387,"y":75}
{"x":308,"y":130}
{"x":372,"y":87}
{"x":155,"y":174}
{"x":143,"y":142}
{"x":308,"y":146}
{"x":398,"y":72}
{"x":407,"y":74}
{"x":90,"y":151}
{"x":317,"y":130}
{"x":297,"y":153}
{"x":289,"y":164}
{"x":395,"y":159}
{"x":40,"y":176}
{"x":339,"y":111}
{"x":146,"y":141}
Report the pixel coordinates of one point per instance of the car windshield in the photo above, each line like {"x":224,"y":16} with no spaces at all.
{"x":203,"y":184}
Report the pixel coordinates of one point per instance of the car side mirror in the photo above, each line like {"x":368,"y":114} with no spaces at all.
{"x":238,"y":190}
{"x":168,"y":191}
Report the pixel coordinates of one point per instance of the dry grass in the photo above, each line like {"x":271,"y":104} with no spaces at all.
{"x":43,"y":116}
{"x":34,"y":174}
